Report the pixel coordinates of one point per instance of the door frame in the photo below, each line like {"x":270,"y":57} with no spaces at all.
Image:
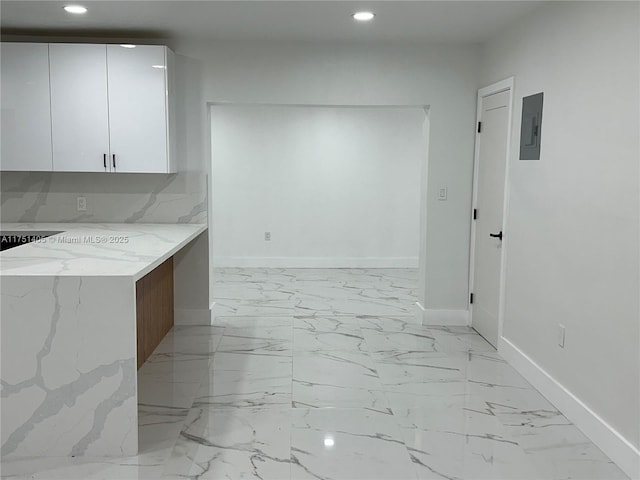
{"x":209,"y":152}
{"x":498,"y":87}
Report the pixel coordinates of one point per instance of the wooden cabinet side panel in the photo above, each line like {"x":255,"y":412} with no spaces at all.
{"x":158,"y":305}
{"x":150,"y":313}
{"x":168,"y":296}
{"x":140,"y":322}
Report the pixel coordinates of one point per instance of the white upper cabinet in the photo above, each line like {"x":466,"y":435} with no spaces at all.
{"x":24,"y":103}
{"x":79,"y":107}
{"x":86,"y":108}
{"x":138,"y":108}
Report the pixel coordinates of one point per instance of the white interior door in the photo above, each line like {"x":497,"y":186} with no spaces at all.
{"x":490,"y":168}
{"x":137,"y":108}
{"x":79,"y":111}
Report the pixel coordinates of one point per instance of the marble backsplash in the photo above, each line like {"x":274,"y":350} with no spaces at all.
{"x":120,"y":198}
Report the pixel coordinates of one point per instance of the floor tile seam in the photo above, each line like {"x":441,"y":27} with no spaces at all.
{"x":237,"y":370}
{"x":257,"y":339}
{"x":280,"y":353}
{"x":276,"y":353}
{"x":323,"y":315}
{"x":399,"y":440}
{"x":182,"y":334}
{"x":284,"y":407}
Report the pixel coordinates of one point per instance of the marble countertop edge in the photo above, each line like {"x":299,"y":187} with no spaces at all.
{"x":88,"y":250}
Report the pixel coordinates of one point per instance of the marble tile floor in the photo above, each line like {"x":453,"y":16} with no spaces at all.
{"x":315,"y":291}
{"x":303,"y":380}
{"x":345,"y":398}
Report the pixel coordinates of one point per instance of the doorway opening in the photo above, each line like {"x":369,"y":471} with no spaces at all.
{"x":308,"y":197}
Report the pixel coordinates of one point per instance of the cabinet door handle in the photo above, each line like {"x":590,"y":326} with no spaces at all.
{"x":114,"y":160}
{"x":104,"y":160}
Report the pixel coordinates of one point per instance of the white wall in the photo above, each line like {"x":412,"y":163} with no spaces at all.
{"x":336,"y":187}
{"x":444,"y":77}
{"x":572,"y":231}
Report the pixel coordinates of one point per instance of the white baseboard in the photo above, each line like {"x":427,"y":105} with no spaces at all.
{"x":445,"y":317}
{"x":608,"y":439}
{"x":316,"y":262}
{"x":193,"y":316}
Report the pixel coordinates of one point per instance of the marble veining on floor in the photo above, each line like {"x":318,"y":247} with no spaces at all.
{"x":335,"y":396}
{"x":315,"y":291}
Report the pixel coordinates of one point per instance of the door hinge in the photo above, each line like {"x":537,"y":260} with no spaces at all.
{"x":471,"y":298}
{"x":475,"y":213}
{"x":479,"y":127}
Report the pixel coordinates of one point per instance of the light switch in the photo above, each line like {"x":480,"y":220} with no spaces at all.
{"x":561,"y":335}
{"x":442,"y":193}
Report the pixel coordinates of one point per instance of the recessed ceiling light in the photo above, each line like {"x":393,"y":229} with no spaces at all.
{"x":127,"y":45}
{"x":77,"y":9}
{"x":363,"y":16}
{"x":158,"y":66}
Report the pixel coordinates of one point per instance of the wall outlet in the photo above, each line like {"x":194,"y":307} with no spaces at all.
{"x":561,"y":335}
{"x":81,"y":204}
{"x":442,"y":193}
{"x":267,"y":236}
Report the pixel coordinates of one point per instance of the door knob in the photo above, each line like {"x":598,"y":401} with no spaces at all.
{"x":496,"y":235}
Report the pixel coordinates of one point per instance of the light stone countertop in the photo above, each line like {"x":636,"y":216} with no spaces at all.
{"x":95,"y":249}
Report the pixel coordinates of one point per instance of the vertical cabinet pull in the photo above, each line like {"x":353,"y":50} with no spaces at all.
{"x":104,"y":160}
{"x":114,"y":160}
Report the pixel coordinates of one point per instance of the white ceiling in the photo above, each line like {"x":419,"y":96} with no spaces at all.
{"x":396,"y":21}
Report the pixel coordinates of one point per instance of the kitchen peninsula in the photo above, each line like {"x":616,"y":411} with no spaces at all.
{"x":69,"y":312}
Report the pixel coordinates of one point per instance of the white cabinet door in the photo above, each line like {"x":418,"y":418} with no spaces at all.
{"x":25,"y":106}
{"x":138,"y":108}
{"x":79,"y":108}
